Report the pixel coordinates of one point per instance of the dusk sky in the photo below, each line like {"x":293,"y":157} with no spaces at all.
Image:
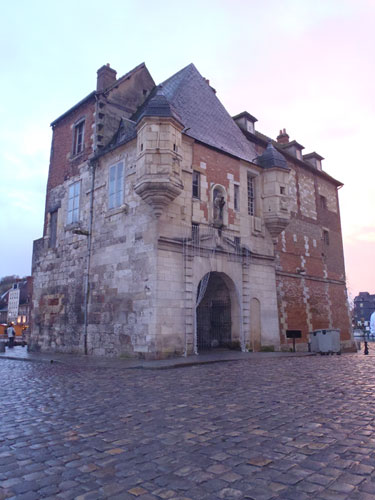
{"x":304,"y":65}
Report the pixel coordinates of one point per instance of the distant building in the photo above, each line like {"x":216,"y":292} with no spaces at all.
{"x":15,"y":303}
{"x":172,"y":228}
{"x":364,"y":306}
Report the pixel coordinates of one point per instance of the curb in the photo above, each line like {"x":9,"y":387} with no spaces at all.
{"x":143,"y":366}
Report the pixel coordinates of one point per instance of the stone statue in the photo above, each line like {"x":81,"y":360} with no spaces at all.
{"x":219,"y":203}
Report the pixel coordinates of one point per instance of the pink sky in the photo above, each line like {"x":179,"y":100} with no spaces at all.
{"x":303,"y":65}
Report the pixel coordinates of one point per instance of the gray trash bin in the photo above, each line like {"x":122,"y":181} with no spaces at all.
{"x":325,"y":341}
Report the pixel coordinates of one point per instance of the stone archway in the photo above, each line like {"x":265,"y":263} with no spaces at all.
{"x":218,"y":318}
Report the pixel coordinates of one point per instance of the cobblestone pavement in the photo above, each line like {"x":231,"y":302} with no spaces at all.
{"x":290,"y":428}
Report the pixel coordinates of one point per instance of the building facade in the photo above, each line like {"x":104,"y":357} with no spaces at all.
{"x":172,"y":228}
{"x":15,"y":303}
{"x":364,"y":306}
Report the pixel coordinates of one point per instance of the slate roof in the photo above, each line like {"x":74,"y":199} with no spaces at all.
{"x":272,"y":158}
{"x":125,"y":133}
{"x":158,"y":105}
{"x":202,"y":114}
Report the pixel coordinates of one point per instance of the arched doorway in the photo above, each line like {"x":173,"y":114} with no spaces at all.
{"x":216,"y":313}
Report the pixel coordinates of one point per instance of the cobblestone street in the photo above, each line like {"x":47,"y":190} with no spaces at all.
{"x":292,"y":428}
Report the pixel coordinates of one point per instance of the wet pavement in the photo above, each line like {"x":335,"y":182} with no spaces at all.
{"x":256,"y":427}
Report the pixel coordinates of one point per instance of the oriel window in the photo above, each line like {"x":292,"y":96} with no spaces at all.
{"x":116,"y":185}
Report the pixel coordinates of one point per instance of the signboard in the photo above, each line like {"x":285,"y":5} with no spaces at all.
{"x":293,"y":334}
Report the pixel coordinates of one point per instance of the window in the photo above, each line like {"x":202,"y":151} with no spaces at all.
{"x":52,"y":229}
{"x":250,"y":195}
{"x":196,"y":184}
{"x":78,"y":138}
{"x":323,"y":202}
{"x":326,"y":237}
{"x":116,"y":185}
{"x":282,"y":190}
{"x":250,"y":126}
{"x":73,"y":202}
{"x":195,"y":233}
{"x":236,"y":197}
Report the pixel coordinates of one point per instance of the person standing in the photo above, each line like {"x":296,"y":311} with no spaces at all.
{"x":11,"y":334}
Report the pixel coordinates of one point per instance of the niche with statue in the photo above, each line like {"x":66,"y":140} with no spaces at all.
{"x":219,"y":206}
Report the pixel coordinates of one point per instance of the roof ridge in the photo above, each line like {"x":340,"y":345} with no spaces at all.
{"x":191,"y":65}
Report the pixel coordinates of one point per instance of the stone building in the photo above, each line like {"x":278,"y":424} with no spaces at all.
{"x":171,"y":227}
{"x":15,"y":302}
{"x":364,"y":306}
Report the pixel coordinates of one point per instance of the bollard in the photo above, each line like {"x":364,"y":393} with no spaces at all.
{"x":366,"y":348}
{"x":2,"y":346}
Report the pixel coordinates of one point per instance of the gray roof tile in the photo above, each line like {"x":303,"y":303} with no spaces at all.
{"x":202,"y":114}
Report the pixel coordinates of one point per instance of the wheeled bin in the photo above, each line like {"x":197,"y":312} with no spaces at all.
{"x":325,"y":341}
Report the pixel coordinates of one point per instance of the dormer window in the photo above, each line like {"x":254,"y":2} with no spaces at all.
{"x":250,"y":126}
{"x":246,"y":121}
{"x":78,"y":137}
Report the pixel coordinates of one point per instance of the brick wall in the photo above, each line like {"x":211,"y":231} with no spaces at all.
{"x":63,"y":165}
{"x":311,"y":273}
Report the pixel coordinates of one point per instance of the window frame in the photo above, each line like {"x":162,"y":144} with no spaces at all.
{"x":196,"y":185}
{"x":53,"y":217}
{"x":117,"y":195}
{"x":79,"y":137}
{"x":195,"y":233}
{"x":236,"y":197}
{"x":251,"y":198}
{"x":74,"y":199}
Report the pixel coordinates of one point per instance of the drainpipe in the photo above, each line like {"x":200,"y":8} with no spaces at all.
{"x":92,"y":165}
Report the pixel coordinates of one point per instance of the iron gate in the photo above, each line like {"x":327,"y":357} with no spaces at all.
{"x":214,"y":325}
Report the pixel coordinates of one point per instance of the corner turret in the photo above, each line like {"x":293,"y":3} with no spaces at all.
{"x":275,"y":190}
{"x":158,"y":178}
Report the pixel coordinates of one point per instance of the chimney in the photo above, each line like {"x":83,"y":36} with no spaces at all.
{"x":283,"y":137}
{"x":208,"y":83}
{"x":106,"y":77}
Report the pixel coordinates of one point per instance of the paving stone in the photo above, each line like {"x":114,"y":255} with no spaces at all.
{"x":194,"y":435}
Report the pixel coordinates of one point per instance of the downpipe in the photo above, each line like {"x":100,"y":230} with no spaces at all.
{"x":92,"y":165}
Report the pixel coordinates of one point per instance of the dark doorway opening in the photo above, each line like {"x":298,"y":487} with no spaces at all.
{"x":214,"y":322}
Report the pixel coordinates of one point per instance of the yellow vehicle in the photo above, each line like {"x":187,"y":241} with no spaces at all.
{"x":20,"y":337}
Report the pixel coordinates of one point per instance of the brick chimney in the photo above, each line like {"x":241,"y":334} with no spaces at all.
{"x":283,"y":137}
{"x":106,"y":77}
